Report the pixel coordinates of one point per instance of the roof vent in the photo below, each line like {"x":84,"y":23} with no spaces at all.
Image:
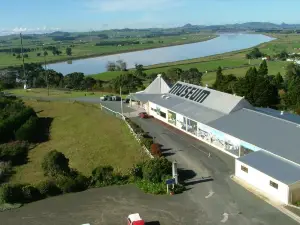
{"x":158,"y":75}
{"x":167,"y":97}
{"x":282,"y":112}
{"x":163,"y":96}
{"x":206,"y":85}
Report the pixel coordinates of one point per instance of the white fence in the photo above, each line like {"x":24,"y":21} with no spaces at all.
{"x":137,"y":137}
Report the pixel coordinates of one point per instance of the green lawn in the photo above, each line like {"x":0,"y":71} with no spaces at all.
{"x":43,"y":92}
{"x":86,"y":135}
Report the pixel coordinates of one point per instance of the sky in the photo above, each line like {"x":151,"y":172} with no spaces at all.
{"x":85,"y":15}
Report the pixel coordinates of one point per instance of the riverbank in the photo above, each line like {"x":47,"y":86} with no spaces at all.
{"x":7,"y":60}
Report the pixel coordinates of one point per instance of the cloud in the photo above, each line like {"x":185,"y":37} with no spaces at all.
{"x":25,"y":30}
{"x":132,"y":5}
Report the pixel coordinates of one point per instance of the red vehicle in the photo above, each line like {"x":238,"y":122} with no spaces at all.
{"x":135,"y":219}
{"x":144,"y":115}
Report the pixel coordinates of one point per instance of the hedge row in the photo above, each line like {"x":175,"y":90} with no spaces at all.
{"x":14,"y":152}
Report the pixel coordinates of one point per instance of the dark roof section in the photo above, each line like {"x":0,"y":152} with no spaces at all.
{"x":285,"y":115}
{"x":267,"y":163}
{"x":275,"y":135}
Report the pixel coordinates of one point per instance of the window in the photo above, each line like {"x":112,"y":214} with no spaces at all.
{"x":245,"y":169}
{"x":273,"y":184}
{"x":162,"y":114}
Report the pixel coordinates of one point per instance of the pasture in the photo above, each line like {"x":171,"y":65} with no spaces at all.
{"x":86,"y":135}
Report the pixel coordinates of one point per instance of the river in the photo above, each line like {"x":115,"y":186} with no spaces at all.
{"x":222,"y":44}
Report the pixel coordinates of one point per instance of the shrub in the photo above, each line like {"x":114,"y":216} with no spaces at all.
{"x":102,"y":176}
{"x":48,"y":188}
{"x":30,"y":194}
{"x":28,"y":131}
{"x":156,"y":169}
{"x":137,"y":171}
{"x":147,"y":141}
{"x":178,"y":188}
{"x":11,"y":193}
{"x":155,"y":150}
{"x":68,"y":184}
{"x":55,"y":163}
{"x":16,"y":152}
{"x":5,"y":170}
{"x":120,"y":179}
{"x":150,"y":187}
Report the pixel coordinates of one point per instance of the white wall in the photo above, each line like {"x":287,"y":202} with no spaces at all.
{"x":262,"y":182}
{"x":154,"y":114}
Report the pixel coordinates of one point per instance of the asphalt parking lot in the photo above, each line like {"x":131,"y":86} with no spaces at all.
{"x":105,"y":206}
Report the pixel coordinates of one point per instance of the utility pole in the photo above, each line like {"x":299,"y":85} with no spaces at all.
{"x":24,"y":73}
{"x":47,"y":75}
{"x":121,"y":100}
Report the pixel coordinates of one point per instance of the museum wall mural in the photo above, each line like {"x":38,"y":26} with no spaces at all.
{"x":192,"y":126}
{"x":232,"y":144}
{"x":180,"y":122}
{"x":171,"y":117}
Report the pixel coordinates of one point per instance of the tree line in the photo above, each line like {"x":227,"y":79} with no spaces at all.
{"x":38,"y":77}
{"x":263,"y":90}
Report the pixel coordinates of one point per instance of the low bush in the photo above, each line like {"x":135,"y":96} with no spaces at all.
{"x":30,"y":194}
{"x":155,"y":170}
{"x":15,"y":152}
{"x":137,"y":171}
{"x":55,"y":163}
{"x":48,"y":188}
{"x":102,"y":176}
{"x":28,"y":131}
{"x":155,"y":150}
{"x":11,"y":193}
{"x":150,"y":187}
{"x":5,"y":170}
{"x":147,"y":142}
{"x":136,"y":128}
{"x":69,"y":184}
{"x":178,"y":189}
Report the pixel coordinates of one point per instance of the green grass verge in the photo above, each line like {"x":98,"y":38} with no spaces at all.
{"x":86,"y":135}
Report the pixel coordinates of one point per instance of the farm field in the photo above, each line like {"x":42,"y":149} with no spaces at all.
{"x":86,"y":47}
{"x":86,"y":135}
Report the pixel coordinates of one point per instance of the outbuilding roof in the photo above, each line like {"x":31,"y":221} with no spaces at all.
{"x":158,"y":86}
{"x":275,"y":167}
{"x":276,"y":135}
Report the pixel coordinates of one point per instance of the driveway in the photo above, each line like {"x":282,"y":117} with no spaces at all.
{"x":218,"y":201}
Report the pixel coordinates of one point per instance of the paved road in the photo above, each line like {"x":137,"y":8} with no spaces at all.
{"x":222,"y":195}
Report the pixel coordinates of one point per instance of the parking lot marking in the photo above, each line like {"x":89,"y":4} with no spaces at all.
{"x":210,"y":194}
{"x":225,"y":218}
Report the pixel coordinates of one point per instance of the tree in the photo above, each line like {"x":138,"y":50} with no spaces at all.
{"x":121,"y":65}
{"x":174,"y":74}
{"x":258,"y":90}
{"x":38,"y":54}
{"x":89,"y":82}
{"x":74,"y":80}
{"x":55,"y":163}
{"x":263,"y":68}
{"x":18,"y":56}
{"x":139,"y":70}
{"x":292,"y":97}
{"x":45,"y":53}
{"x":254,"y":54}
{"x":26,"y":55}
{"x":292,"y":71}
{"x":68,"y":51}
{"x":111,"y":66}
{"x":278,"y":80}
{"x":219,"y":78}
{"x":8,"y":78}
{"x":192,"y":76}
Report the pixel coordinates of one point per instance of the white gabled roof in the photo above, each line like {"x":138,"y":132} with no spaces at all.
{"x":158,"y":86}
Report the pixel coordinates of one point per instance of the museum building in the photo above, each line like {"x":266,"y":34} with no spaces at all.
{"x":264,"y":142}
